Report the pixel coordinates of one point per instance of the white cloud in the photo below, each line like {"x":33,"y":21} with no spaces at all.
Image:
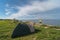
{"x":35,"y":7}
{"x":7,"y":11}
{"x":7,"y":5}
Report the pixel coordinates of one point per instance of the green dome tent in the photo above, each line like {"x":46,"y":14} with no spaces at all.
{"x":22,"y":29}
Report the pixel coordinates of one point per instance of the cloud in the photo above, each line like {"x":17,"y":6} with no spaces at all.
{"x":7,"y":5}
{"x":7,"y":11}
{"x":36,"y":6}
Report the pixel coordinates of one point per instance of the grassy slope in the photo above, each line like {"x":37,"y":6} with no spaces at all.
{"x":7,"y":27}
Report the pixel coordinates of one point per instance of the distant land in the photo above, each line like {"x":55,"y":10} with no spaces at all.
{"x":54,"y":22}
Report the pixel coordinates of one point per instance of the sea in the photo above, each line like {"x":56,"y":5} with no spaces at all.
{"x":53,"y":22}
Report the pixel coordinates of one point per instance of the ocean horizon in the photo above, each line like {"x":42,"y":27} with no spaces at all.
{"x":53,"y":22}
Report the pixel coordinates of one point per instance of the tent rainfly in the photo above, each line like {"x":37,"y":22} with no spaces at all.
{"x":22,"y":29}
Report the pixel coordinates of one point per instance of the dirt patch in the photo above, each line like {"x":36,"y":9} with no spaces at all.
{"x":45,"y":27}
{"x":57,"y":29}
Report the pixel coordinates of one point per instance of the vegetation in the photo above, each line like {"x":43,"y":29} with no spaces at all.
{"x":44,"y":33}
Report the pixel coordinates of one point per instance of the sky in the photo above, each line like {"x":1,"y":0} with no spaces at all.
{"x":29,"y":9}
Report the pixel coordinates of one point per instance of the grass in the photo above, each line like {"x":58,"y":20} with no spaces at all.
{"x":50,"y":33}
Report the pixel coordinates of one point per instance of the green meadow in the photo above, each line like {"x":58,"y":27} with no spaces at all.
{"x":45,"y":33}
